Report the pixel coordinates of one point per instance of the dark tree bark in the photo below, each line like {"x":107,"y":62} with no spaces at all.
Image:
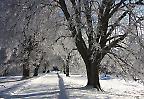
{"x":36,"y":70}
{"x":67,"y":70}
{"x":68,"y":63}
{"x":88,"y":70}
{"x":26,"y":71}
{"x":28,"y":47}
{"x":64,"y":69}
{"x":5,"y":73}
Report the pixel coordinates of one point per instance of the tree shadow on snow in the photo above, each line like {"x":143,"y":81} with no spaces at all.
{"x":35,"y":94}
{"x":5,"y":79}
{"x":8,"y":96}
{"x":6,"y":92}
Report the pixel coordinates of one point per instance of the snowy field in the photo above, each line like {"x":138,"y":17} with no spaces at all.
{"x":54,"y":86}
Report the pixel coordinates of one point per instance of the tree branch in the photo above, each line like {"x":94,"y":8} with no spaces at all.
{"x":116,"y":7}
{"x":116,"y":23}
{"x":63,"y":36}
{"x":115,"y":42}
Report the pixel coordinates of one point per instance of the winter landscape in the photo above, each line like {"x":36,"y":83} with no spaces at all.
{"x":71,"y":49}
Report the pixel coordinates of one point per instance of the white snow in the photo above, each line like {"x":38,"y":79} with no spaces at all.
{"x":57,"y":86}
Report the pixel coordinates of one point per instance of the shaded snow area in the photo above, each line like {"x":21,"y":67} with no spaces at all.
{"x":57,"y":86}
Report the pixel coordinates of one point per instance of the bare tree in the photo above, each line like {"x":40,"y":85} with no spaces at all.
{"x":105,"y":25}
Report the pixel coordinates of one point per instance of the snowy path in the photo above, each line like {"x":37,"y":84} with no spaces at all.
{"x":50,"y":86}
{"x":57,"y":86}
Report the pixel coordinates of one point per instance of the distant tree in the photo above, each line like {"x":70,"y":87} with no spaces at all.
{"x":38,"y":64}
{"x":28,"y":47}
{"x":27,"y":25}
{"x":3,"y":55}
{"x":3,"y":62}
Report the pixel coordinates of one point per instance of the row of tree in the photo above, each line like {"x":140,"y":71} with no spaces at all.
{"x":93,"y":31}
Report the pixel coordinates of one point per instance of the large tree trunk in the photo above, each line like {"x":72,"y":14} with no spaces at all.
{"x":95,"y":76}
{"x":88,"y":70}
{"x":92,"y":67}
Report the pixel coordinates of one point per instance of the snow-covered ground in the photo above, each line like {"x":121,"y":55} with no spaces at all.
{"x":54,"y":86}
